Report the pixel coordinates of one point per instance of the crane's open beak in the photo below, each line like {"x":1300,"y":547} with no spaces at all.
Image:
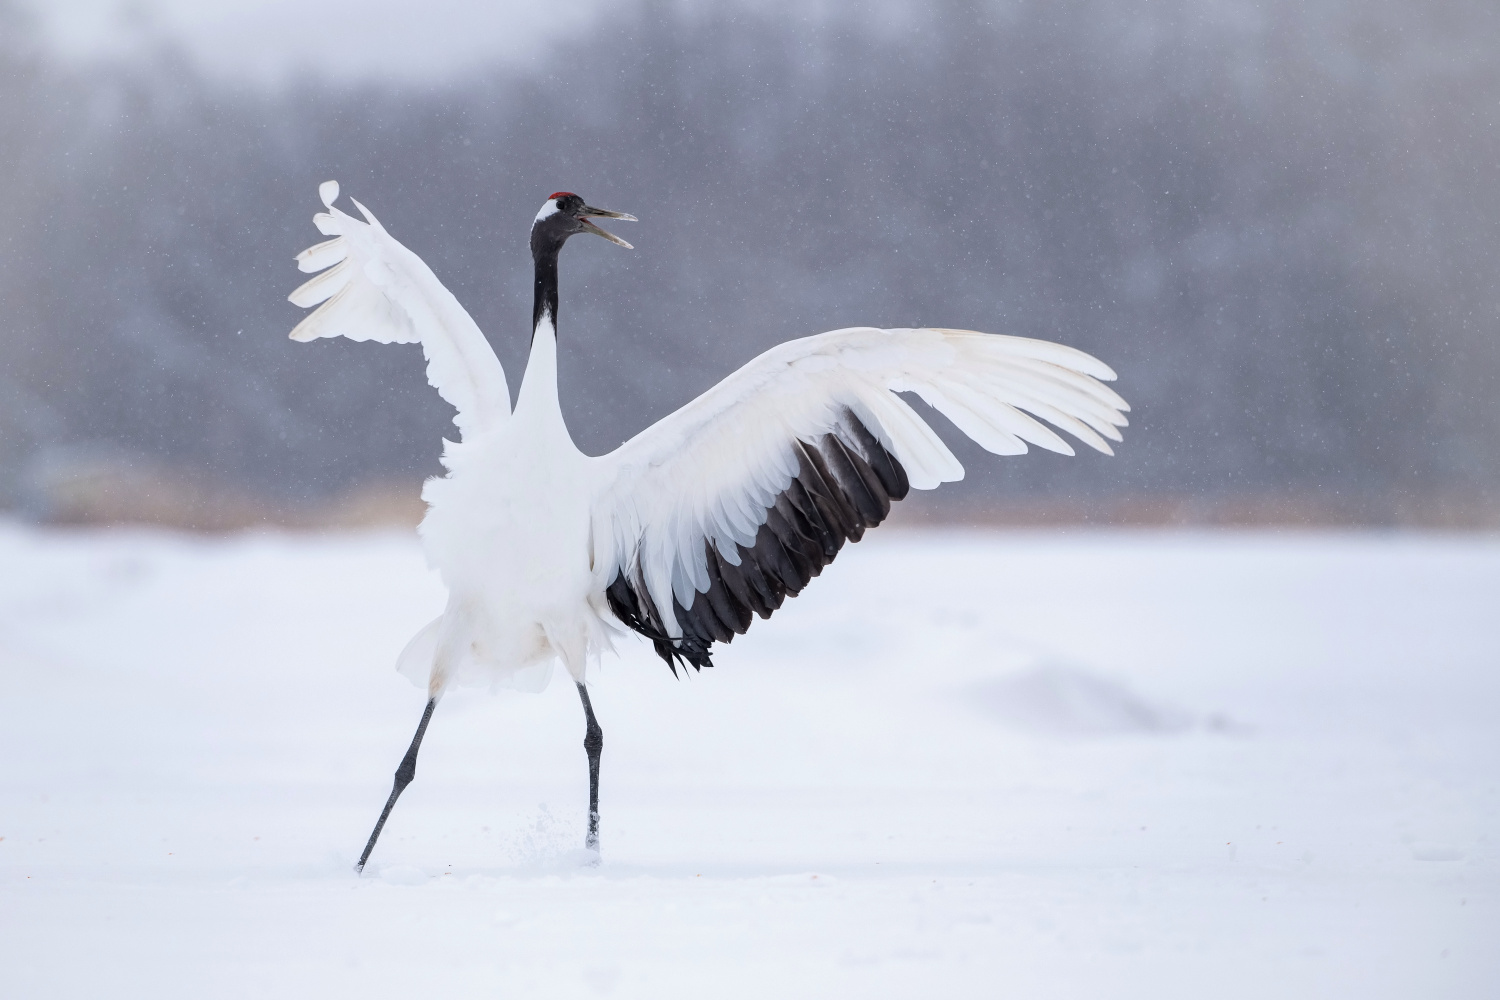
{"x":599,"y":213}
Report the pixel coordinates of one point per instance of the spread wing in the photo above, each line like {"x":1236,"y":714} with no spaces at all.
{"x":722,"y":509}
{"x":373,"y":288}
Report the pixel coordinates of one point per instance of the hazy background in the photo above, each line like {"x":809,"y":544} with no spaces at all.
{"x":1278,"y":221}
{"x":1104,"y":764}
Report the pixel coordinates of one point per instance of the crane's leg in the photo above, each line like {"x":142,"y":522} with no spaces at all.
{"x":593,"y":744}
{"x":404,"y":774}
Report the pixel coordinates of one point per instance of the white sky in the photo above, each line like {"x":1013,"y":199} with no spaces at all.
{"x":422,"y":40}
{"x":266,"y":40}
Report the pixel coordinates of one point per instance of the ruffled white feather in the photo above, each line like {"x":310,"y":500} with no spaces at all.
{"x":373,"y":288}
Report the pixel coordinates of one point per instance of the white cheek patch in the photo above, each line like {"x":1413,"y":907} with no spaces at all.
{"x":548,"y":210}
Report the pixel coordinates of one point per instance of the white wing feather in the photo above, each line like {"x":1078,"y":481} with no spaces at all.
{"x":373,"y":288}
{"x":709,"y":472}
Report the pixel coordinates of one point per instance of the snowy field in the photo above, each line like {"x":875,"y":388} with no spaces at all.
{"x":1081,"y":764}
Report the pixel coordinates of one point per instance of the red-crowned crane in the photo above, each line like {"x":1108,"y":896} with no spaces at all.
{"x":707,"y":518}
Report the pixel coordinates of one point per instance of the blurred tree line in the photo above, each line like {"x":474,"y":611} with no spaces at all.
{"x":1278,"y":221}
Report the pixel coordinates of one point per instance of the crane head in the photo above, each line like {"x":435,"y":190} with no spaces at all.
{"x":565,"y":214}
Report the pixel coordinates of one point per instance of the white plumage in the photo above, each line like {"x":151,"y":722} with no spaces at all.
{"x":529,"y":533}
{"x":373,"y":288}
{"x":711,"y":470}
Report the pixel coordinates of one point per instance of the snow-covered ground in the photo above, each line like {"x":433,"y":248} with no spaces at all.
{"x":961,"y":764}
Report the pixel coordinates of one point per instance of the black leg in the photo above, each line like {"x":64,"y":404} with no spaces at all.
{"x":404,"y":774}
{"x":593,"y":744}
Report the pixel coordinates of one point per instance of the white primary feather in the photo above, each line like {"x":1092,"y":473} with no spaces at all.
{"x":709,"y":472}
{"x":373,"y":288}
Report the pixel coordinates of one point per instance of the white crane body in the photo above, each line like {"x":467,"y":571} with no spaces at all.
{"x":508,"y":530}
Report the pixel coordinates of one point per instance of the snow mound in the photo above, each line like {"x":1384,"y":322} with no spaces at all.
{"x":1435,"y":852}
{"x":1064,"y":700}
{"x":403,"y":875}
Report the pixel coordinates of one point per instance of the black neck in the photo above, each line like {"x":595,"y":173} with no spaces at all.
{"x":544,"y":251}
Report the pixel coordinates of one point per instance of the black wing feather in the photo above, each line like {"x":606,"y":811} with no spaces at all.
{"x":846,"y":481}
